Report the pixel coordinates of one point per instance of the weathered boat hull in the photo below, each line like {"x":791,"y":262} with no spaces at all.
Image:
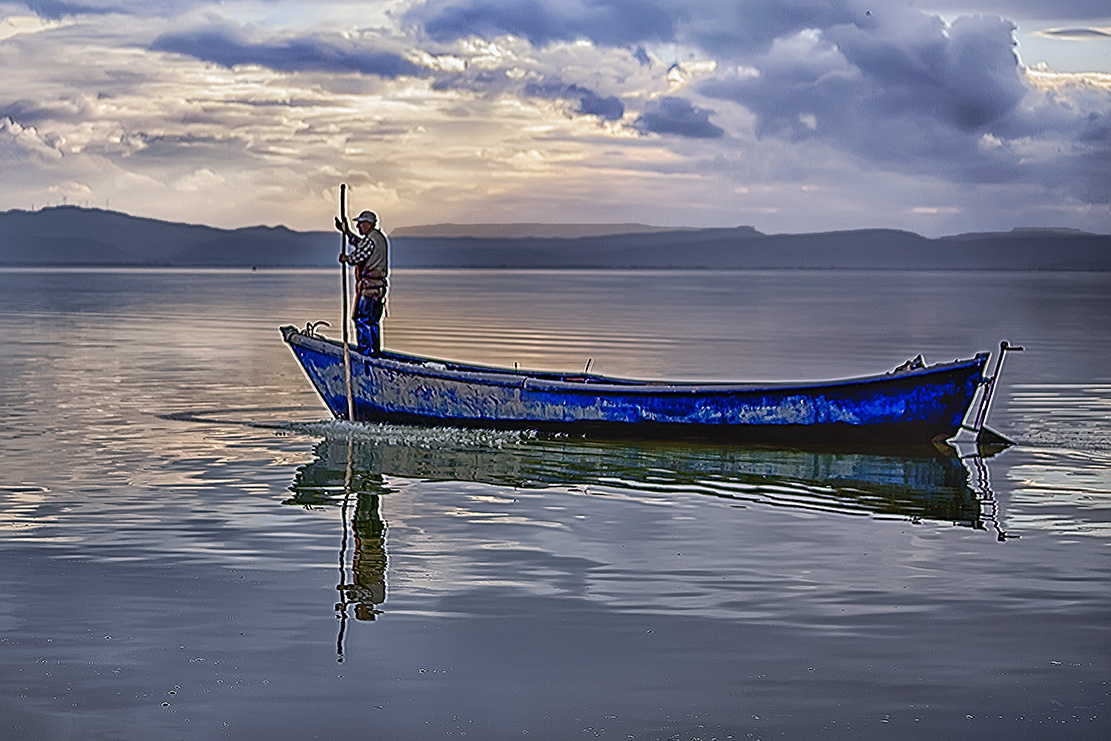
{"x":913,"y":407}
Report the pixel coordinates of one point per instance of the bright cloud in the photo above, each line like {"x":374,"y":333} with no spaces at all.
{"x":790,"y":115}
{"x":15,"y":25}
{"x":19,"y":139}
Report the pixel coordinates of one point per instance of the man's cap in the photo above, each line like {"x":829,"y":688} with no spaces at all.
{"x":367,"y":216}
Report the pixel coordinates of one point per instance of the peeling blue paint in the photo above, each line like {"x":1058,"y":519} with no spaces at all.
{"x":897,"y":408}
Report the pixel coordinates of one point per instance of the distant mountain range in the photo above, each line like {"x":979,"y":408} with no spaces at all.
{"x":70,"y":235}
{"x":529,"y":231}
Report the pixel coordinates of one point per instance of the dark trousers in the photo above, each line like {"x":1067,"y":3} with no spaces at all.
{"x":368,"y":328}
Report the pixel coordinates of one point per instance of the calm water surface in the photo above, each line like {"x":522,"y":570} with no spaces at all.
{"x":176,"y":513}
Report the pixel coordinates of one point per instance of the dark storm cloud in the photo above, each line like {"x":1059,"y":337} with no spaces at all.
{"x":607,"y":108}
{"x":966,"y":75}
{"x":916,"y":95}
{"x":733,"y":29}
{"x":918,"y":83}
{"x":56,"y":9}
{"x":722,"y":27}
{"x":614,"y":22}
{"x":227,"y":47}
{"x":677,"y":116}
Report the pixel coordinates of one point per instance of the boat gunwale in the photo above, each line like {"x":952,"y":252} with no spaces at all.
{"x":415,"y":365}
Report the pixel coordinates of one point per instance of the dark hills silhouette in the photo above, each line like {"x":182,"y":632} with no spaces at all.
{"x":70,"y":235}
{"x":525,"y":231}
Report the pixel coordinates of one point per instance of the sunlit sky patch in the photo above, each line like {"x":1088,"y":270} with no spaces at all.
{"x":789,"y":115}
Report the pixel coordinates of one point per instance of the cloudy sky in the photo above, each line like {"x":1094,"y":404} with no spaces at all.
{"x":938,"y":116}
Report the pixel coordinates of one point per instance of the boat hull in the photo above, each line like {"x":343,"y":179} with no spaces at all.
{"x":911,"y":407}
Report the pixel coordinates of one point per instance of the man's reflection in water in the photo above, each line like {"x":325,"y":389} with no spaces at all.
{"x":343,"y":476}
{"x":367,"y":586}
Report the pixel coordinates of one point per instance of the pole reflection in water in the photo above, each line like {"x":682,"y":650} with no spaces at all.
{"x":986,"y":496}
{"x":352,"y":463}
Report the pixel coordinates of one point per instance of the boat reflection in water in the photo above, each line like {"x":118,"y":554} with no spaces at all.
{"x":354,"y":462}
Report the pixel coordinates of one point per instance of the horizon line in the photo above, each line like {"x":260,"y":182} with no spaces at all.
{"x":653,"y":228}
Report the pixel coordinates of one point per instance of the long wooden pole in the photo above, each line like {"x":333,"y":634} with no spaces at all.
{"x":346,"y":320}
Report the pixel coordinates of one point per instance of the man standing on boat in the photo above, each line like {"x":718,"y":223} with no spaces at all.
{"x":370,"y":256}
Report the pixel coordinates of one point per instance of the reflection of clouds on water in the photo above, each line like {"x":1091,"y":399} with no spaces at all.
{"x":1062,"y":478}
{"x":1059,"y":491}
{"x":22,"y":509}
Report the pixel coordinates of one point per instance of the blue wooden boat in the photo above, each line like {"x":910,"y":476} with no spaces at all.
{"x":913,"y":406}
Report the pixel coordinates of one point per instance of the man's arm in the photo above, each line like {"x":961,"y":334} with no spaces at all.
{"x":352,"y":240}
{"x":341,"y":225}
